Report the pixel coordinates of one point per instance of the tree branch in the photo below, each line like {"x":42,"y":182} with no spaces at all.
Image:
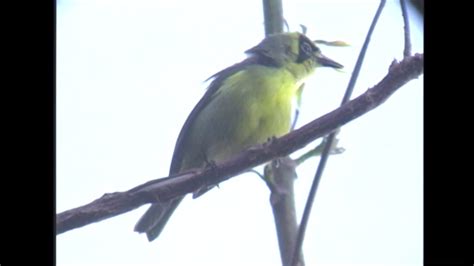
{"x":273,"y":16}
{"x":281,"y":172}
{"x":280,"y":175}
{"x":406,"y":29}
{"x":117,"y":203}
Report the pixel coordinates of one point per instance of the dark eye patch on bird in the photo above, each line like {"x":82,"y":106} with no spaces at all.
{"x":306,"y":48}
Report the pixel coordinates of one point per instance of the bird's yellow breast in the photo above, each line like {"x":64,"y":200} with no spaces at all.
{"x":251,"y":106}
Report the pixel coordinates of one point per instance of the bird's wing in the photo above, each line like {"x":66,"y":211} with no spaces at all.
{"x":210,"y":94}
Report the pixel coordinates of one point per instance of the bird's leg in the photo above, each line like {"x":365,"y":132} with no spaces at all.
{"x":211,"y":164}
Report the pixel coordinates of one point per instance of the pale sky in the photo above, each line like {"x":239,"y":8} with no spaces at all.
{"x":129,"y":73}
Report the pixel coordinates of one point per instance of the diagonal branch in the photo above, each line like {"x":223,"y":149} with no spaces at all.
{"x":113,"y":204}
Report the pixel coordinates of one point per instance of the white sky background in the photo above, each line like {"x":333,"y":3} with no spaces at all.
{"x":129,"y":73}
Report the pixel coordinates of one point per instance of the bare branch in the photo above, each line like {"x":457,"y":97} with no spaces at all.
{"x":281,"y":174}
{"x":280,"y":179}
{"x":117,"y":203}
{"x":273,"y":15}
{"x":406,"y":28}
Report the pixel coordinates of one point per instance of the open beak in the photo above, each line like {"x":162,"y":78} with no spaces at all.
{"x":324,"y":61}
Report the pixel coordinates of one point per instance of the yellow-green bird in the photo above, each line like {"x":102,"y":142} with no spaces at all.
{"x":245,"y":104}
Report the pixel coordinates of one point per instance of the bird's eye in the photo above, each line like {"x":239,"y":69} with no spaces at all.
{"x":306,"y":48}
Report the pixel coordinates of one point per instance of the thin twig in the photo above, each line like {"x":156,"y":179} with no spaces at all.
{"x":327,"y":147}
{"x":406,"y":28}
{"x":318,"y":150}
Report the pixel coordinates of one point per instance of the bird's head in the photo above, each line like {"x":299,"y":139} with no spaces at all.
{"x":293,"y":51}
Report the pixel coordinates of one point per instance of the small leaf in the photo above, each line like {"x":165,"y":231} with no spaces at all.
{"x":333,"y":43}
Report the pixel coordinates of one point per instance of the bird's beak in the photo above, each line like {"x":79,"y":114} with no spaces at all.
{"x":324,"y":61}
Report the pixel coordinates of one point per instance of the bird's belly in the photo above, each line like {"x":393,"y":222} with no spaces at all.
{"x":250,"y":108}
{"x":254,"y":123}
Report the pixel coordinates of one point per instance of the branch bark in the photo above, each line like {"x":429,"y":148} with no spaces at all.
{"x":113,"y":204}
{"x":273,"y":16}
{"x":280,"y":176}
{"x":406,"y":29}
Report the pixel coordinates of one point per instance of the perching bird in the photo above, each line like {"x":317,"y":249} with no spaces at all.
{"x":245,"y":104}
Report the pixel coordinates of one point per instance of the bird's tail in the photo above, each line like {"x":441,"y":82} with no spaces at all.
{"x":156,"y":217}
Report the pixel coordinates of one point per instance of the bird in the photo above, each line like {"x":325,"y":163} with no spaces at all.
{"x":245,"y":104}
